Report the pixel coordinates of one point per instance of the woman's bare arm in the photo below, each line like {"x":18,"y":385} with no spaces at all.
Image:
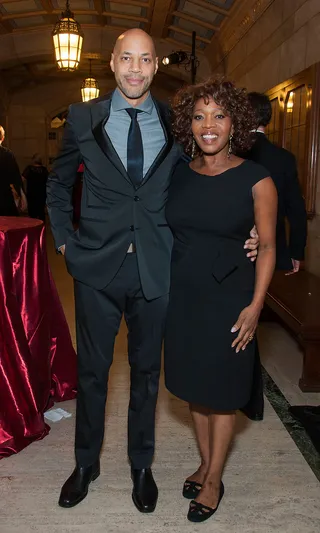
{"x":265,"y":213}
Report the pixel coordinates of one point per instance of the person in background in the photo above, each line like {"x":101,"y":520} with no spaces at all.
{"x":35,"y":176}
{"x":12,"y":197}
{"x":283,"y":169}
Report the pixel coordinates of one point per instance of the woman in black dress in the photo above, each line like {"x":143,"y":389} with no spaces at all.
{"x":216,"y":293}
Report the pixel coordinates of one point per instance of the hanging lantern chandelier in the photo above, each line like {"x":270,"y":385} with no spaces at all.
{"x":67,"y":40}
{"x":89,"y":88}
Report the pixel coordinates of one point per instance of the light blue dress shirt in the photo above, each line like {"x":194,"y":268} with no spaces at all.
{"x":118,"y":124}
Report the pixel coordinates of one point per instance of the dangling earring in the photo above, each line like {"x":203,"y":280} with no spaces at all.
{"x":193,"y":149}
{"x":230,"y":145}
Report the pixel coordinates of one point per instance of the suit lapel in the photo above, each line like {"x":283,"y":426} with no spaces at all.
{"x":100,"y":112}
{"x":165,"y":121}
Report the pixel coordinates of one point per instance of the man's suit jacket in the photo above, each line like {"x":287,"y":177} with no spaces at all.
{"x":9,"y":174}
{"x":113,"y":212}
{"x":283,"y":169}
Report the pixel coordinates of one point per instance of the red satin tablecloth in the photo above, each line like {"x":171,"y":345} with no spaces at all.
{"x":37,"y":359}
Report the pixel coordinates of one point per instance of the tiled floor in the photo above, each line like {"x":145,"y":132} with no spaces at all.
{"x":269,"y":485}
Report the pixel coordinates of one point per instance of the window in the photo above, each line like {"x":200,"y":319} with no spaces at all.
{"x":295,"y":126}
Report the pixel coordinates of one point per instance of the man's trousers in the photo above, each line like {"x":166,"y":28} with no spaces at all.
{"x":98,"y":317}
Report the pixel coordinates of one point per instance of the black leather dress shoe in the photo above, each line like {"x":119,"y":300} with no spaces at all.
{"x":145,"y":490}
{"x":75,"y":488}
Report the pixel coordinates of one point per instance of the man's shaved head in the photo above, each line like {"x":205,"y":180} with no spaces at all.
{"x":135,"y":34}
{"x":134,"y":64}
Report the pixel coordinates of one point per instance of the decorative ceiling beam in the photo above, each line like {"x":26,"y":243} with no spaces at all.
{"x":150,"y":8}
{"x":194,"y":20}
{"x":159,"y":17}
{"x":50,"y":18}
{"x":47,"y":5}
{"x":33,"y":28}
{"x":5,"y":25}
{"x":11,"y":16}
{"x":84,"y":25}
{"x":122,"y":16}
{"x":115,"y":14}
{"x":132,"y":3}
{"x":99,"y":7}
{"x":120,"y":29}
{"x":211,"y":7}
{"x":189,"y":34}
{"x":179,"y":45}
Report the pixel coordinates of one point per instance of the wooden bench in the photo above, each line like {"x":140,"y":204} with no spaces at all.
{"x":295,"y":300}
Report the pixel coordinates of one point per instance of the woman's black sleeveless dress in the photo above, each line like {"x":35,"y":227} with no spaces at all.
{"x":212,"y":280}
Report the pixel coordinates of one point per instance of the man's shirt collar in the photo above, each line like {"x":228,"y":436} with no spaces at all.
{"x":119,"y":103}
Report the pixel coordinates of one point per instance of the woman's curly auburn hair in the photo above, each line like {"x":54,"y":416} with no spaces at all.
{"x":233,"y":101}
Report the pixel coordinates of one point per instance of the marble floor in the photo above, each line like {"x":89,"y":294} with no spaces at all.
{"x":269,"y":484}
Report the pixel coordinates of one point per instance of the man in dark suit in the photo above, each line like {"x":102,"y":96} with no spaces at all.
{"x":119,"y":256}
{"x":283,"y":170}
{"x":9,"y":177}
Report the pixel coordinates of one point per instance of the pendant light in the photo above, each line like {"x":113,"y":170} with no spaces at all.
{"x":89,"y":88}
{"x":67,"y":40}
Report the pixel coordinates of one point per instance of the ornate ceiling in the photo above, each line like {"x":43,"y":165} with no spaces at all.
{"x":26,"y":52}
{"x":25,"y":24}
{"x":172,"y":20}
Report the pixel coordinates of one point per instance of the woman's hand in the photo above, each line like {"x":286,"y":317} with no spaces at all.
{"x":246,"y":325}
{"x":252,"y":244}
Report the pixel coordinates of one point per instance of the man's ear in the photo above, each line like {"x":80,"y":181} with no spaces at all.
{"x":157,"y":65}
{"x":112,"y":62}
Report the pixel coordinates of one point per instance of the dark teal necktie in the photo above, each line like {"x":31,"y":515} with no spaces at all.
{"x":134,"y":148}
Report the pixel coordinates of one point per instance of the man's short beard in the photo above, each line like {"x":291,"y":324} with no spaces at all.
{"x":136,"y":95}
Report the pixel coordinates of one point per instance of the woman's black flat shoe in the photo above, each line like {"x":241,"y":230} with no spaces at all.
{"x":191,"y":489}
{"x":199,"y":512}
